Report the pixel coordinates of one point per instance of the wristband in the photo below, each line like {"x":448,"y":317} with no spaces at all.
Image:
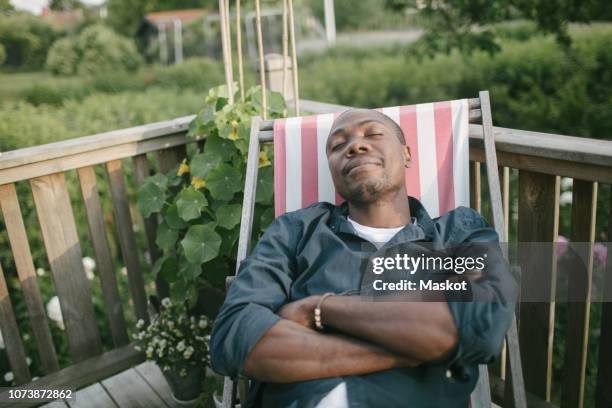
{"x":317,"y":310}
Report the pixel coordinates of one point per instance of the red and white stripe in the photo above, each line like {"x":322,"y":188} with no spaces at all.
{"x":437,"y":134}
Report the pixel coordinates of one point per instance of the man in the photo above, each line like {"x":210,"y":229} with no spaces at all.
{"x":369,"y":353}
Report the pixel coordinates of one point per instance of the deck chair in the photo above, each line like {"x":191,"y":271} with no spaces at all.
{"x":438,"y":135}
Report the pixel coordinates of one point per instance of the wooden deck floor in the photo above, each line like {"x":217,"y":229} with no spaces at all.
{"x":140,"y":386}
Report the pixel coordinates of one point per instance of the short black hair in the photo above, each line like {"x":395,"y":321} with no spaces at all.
{"x":385,"y":119}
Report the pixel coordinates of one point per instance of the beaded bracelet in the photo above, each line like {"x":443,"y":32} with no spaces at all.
{"x":317,"y":310}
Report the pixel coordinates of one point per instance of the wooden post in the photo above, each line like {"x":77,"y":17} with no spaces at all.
{"x":330,"y":21}
{"x":538,"y":223}
{"x":584,"y":203}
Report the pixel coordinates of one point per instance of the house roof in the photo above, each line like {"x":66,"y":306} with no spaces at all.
{"x":62,"y":19}
{"x":186,"y":16}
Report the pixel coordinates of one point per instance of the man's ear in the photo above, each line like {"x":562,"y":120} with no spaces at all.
{"x":407,"y":156}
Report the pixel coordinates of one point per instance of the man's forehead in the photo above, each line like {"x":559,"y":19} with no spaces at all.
{"x":355,"y":117}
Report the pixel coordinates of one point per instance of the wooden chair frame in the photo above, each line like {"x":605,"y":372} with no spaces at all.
{"x":479,"y":112}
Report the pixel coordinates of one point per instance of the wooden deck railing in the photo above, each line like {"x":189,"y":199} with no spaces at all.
{"x":540,"y":160}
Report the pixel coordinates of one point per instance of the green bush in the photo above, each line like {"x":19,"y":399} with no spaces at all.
{"x":96,"y":49}
{"x":53,"y":94}
{"x":23,"y":124}
{"x":26,"y":39}
{"x":534,"y":85}
{"x":194,"y":73}
{"x":2,"y":54}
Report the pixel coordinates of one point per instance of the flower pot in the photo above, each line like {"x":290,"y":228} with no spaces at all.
{"x":187,"y":389}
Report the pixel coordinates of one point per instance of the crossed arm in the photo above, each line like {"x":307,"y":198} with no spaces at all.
{"x":374,"y":336}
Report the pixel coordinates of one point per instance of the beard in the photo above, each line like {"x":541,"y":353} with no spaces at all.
{"x":367,"y":191}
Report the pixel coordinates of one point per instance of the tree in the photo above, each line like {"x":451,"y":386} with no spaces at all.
{"x":5,"y":5}
{"x":65,"y":4}
{"x":465,"y":24}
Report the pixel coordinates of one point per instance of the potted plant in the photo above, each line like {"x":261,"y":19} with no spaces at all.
{"x":178,"y":344}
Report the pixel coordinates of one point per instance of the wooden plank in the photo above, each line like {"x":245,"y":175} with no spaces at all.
{"x":168,"y":158}
{"x":584,"y":205}
{"x":557,"y":167}
{"x":11,"y":336}
{"x":94,"y":396}
{"x":497,"y":391}
{"x":88,"y":371}
{"x":151,"y":373}
{"x":127,"y":241}
{"x":95,"y":142}
{"x":64,"y":252}
{"x":22,"y":255}
{"x":141,"y":171}
{"x":129,"y":390}
{"x":552,"y":146}
{"x":90,"y":158}
{"x":603,"y":391}
{"x":515,"y":380}
{"x":97,"y":232}
{"x":475,"y":186}
{"x":538,"y":223}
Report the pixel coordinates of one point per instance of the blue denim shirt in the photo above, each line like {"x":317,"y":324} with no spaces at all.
{"x":316,"y":250}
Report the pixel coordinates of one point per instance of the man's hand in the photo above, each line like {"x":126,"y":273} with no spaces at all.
{"x":301,"y":311}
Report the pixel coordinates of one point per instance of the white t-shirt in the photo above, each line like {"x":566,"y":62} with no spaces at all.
{"x":338,"y":397}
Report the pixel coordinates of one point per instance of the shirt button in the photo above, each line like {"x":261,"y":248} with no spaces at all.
{"x":449,"y":374}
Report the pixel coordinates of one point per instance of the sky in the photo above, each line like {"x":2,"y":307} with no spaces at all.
{"x":36,"y":6}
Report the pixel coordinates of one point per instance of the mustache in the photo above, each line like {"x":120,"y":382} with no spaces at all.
{"x":360,"y":162}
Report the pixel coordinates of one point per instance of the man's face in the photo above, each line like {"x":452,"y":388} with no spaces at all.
{"x":366,"y":158}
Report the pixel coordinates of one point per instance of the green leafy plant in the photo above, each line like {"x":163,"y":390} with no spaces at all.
{"x":199,"y":202}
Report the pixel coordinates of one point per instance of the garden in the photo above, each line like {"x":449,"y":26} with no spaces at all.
{"x":58,"y":84}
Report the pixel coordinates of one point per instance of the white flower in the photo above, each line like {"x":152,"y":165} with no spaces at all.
{"x":89,"y":265}
{"x":183,"y":372}
{"x":566,"y":183}
{"x":565,"y":198}
{"x":8,"y":376}
{"x":180,"y":346}
{"x":140,"y":324}
{"x":28,"y":361}
{"x":186,"y":355}
{"x":166,"y":302}
{"x":202,"y":323}
{"x":166,"y":368}
{"x":170,"y":324}
{"x":137,"y":348}
{"x":40,"y":272}
{"x":149,"y":352}
{"x":123,"y":271}
{"x":55,"y":312}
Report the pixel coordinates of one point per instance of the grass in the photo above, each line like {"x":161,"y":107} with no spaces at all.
{"x":13,"y":84}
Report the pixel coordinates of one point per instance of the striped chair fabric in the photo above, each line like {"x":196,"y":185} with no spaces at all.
{"x":437,"y":134}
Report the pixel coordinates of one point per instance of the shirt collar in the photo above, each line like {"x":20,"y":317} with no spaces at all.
{"x":339,"y":222}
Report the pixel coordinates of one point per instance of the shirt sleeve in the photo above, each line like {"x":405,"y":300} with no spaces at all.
{"x":261,"y":287}
{"x":482,"y":322}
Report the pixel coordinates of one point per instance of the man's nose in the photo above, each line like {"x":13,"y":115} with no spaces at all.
{"x":357,"y":145}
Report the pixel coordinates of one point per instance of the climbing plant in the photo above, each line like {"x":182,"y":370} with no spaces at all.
{"x":199,"y":202}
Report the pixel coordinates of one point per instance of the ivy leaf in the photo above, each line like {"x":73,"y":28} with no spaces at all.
{"x":166,"y":267}
{"x":228,"y":216}
{"x":224,"y":181}
{"x":151,"y":198}
{"x":266,"y":218}
{"x":182,"y":289}
{"x":265,"y":185}
{"x":201,"y":243}
{"x":166,"y":237}
{"x":190,"y":203}
{"x":276,"y":102}
{"x":190,"y":271}
{"x":160,"y":180}
{"x":229,"y":239}
{"x":221,"y":148}
{"x":202,"y":163}
{"x":171,"y":217}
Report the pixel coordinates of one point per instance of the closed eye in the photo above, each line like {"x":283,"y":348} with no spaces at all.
{"x":336,"y":147}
